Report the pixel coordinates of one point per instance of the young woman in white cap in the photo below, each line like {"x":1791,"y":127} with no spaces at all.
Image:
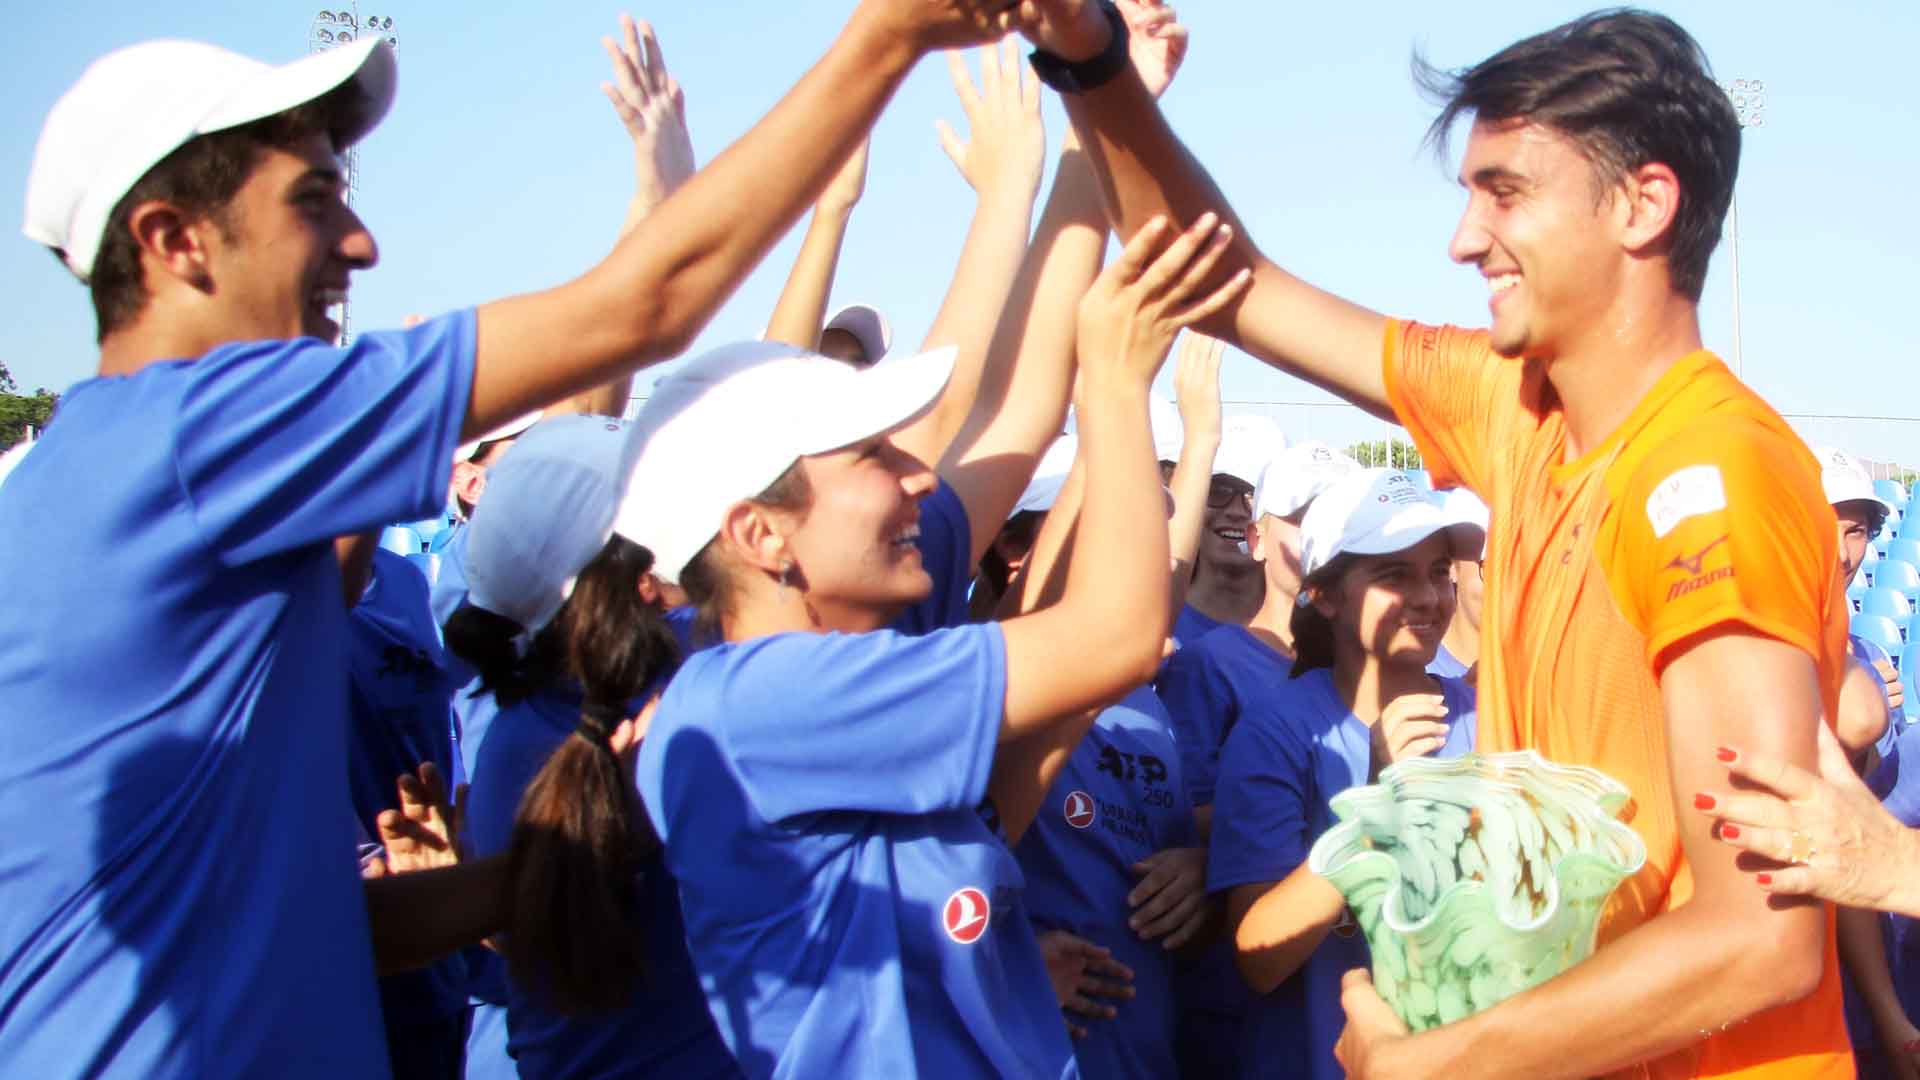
{"x":563,"y":624}
{"x":1377,"y":562}
{"x":824,"y":787}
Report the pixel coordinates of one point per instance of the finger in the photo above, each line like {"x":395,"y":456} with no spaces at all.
{"x":991,"y":82}
{"x":375,"y":867}
{"x":950,"y":142}
{"x":1167,"y":268}
{"x":1188,"y":930}
{"x":1782,"y":778}
{"x":1215,"y":302}
{"x":963,"y":84}
{"x":1139,"y":251}
{"x":413,"y":796}
{"x":1421,"y":729}
{"x":1081,"y":1005}
{"x":434,"y":781}
{"x":1750,"y":810}
{"x":1158,"y":874}
{"x":1420,"y":747}
{"x":1075,"y":1031}
{"x":1106,"y":967}
{"x":1176,"y":916}
{"x":629,"y":116}
{"x":626,"y":79}
{"x":1029,"y":84}
{"x":634,"y":58}
{"x":1789,"y":881}
{"x":1202,"y":267}
{"x":656,"y":60}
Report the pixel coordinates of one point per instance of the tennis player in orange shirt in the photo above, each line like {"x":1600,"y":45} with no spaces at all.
{"x":1659,"y":574}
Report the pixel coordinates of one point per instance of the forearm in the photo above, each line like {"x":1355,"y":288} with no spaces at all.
{"x":1118,"y":578}
{"x":990,"y":260}
{"x":1669,"y":983}
{"x":1282,"y":927}
{"x":1863,"y":951}
{"x":420,"y":917}
{"x":1192,"y":476}
{"x":648,"y":299}
{"x":1024,"y":770}
{"x":802,"y":308}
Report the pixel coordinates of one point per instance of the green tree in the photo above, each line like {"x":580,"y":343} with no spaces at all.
{"x":1386,"y":454}
{"x":20,"y":411}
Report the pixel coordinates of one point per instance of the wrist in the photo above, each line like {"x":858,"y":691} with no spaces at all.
{"x":1088,"y":37}
{"x":881,"y":44}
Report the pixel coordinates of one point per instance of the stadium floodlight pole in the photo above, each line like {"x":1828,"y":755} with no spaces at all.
{"x":340,"y":26}
{"x":1749,"y":97}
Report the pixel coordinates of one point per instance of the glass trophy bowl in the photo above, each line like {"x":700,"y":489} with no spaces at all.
{"x":1477,"y":877}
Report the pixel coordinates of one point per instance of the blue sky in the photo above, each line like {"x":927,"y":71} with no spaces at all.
{"x":502,"y":169}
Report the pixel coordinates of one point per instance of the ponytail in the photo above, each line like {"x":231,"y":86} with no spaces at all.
{"x":581,"y":836}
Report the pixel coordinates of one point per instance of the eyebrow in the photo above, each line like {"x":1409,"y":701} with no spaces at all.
{"x":323,"y":173}
{"x":1488,"y":175}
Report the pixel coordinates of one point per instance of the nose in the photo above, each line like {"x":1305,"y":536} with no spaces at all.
{"x":917,"y":478}
{"x":1470,"y":238}
{"x":356,"y":245}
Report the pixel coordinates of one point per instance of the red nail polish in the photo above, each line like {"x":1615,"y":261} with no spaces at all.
{"x":1726,"y":755}
{"x":1731,"y":832}
{"x":1764,"y":879}
{"x":1703,"y":801}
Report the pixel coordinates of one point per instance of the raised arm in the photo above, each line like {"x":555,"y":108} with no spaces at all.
{"x":1196,"y":386}
{"x":647,"y":300}
{"x":801,"y":310}
{"x":1002,"y":161}
{"x":1146,"y":171}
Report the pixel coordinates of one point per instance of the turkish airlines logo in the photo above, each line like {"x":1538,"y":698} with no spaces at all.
{"x":966,"y":915}
{"x":1079,"y":809}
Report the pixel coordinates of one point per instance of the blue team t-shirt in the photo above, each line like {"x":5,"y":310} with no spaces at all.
{"x":666,"y":1031}
{"x":1288,"y":756}
{"x":1870,"y":654}
{"x":1447,"y":666}
{"x":178,"y":889}
{"x":848,"y":908}
{"x":1206,"y":686}
{"x":1897,"y":783}
{"x":400,"y":708}
{"x":1118,"y":800}
{"x":1191,"y":624}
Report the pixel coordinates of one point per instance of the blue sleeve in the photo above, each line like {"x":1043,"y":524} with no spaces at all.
{"x":1262,"y":820}
{"x":1199,"y":700}
{"x":285,"y":444}
{"x":1463,"y":714}
{"x":1896,"y":784}
{"x":946,"y":547}
{"x":876,"y":723}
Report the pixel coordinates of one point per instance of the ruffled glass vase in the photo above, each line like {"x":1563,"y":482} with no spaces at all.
{"x":1477,"y":877}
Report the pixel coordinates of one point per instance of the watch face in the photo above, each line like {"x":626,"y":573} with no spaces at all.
{"x":1067,"y":77}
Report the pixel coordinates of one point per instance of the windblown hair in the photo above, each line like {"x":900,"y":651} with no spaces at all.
{"x":580,"y":834}
{"x":200,"y":178}
{"x":707,"y":580}
{"x":1629,"y":88}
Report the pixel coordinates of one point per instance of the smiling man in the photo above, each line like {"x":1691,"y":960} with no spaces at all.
{"x":178,"y":889}
{"x":1660,"y":574}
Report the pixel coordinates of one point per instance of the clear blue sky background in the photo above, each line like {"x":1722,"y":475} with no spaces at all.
{"x":502,"y":169}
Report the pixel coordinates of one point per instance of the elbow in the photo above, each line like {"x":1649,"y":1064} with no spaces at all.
{"x":1252,"y":972}
{"x":1791,"y":967}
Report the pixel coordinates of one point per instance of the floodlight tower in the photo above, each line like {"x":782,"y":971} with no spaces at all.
{"x":341,"y":26}
{"x":1749,"y":97}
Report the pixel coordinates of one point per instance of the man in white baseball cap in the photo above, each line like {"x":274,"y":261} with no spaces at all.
{"x":1227,"y":586}
{"x":1862,"y":512}
{"x":183,"y":620}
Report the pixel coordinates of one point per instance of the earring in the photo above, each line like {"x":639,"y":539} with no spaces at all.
{"x":786,"y":574}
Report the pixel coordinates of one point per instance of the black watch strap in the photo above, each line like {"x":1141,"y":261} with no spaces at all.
{"x":1071,"y":78}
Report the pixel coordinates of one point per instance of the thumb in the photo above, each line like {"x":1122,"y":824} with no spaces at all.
{"x":950,"y":142}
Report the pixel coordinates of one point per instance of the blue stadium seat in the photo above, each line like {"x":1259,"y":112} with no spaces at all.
{"x":1909,"y":527}
{"x":1872,"y":554}
{"x":1892,"y":604}
{"x":1909,"y":665}
{"x":1897,"y":574}
{"x":1906,"y":551}
{"x":1856,"y":592}
{"x":401,"y":540}
{"x":1880,"y":630}
{"x":1892,"y":491}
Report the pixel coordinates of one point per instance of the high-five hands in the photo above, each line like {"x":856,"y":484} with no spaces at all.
{"x":1007,"y":147}
{"x":651,"y":105}
{"x":1154,"y":289}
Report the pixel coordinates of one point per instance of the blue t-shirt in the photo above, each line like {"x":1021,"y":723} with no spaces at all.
{"x":1897,"y":782}
{"x":1118,"y":800}
{"x":667,"y":1030}
{"x":178,"y":889}
{"x":1289,"y":755}
{"x":848,"y":909}
{"x":1870,"y":654}
{"x":1206,"y":686}
{"x":399,"y":706}
{"x":1447,"y":666}
{"x":450,"y":583}
{"x":1191,"y":625}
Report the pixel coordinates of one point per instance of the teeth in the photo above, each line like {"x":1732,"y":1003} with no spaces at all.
{"x":908,"y":535}
{"x":1500,"y":283}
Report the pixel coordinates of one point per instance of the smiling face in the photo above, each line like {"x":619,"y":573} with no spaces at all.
{"x":1276,"y":546}
{"x":1857,"y":523}
{"x":1394,"y":608}
{"x":1544,"y":233}
{"x":854,"y":551}
{"x":1229,"y":509}
{"x":282,"y":261}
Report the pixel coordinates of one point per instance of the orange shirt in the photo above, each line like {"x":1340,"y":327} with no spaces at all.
{"x":1703,"y":509}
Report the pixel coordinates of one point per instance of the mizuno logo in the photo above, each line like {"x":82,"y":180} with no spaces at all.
{"x":1691,"y":563}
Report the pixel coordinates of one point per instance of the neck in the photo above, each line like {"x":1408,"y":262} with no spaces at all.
{"x":151,"y":340}
{"x":1602,"y":377}
{"x":1463,"y":641}
{"x":1366,"y":685}
{"x":1273,"y":623}
{"x":770,"y":609}
{"x":1228,"y":594}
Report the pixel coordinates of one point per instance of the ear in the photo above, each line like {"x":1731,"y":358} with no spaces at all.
{"x":1253,"y":542}
{"x":469,"y":480}
{"x":650,"y":589}
{"x":1649,"y":203}
{"x":173,"y":245}
{"x":757,"y":536}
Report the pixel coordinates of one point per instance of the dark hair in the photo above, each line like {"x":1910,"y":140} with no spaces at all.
{"x":200,"y":177}
{"x":580,"y":834}
{"x":1628,"y":87}
{"x":1312,"y":630}
{"x":706,"y":582}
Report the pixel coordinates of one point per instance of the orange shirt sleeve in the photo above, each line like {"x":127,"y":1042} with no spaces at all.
{"x":1723,"y":523}
{"x":1447,"y":387}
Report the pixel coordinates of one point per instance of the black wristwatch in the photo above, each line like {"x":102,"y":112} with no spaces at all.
{"x":1071,"y":78}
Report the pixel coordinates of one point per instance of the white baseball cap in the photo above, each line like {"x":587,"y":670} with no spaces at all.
{"x":726,"y":426}
{"x":11,"y":460}
{"x":508,"y":430}
{"x":1247,"y":442}
{"x":1375,"y":512}
{"x":134,"y":106}
{"x":1846,"y":480}
{"x":868,"y":327}
{"x":1163,"y":418}
{"x":1296,"y":476}
{"x":552,"y":503}
{"x":1466,"y":508}
{"x":1049,"y":476}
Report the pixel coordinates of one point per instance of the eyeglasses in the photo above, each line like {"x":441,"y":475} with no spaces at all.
{"x":1225,"y":489}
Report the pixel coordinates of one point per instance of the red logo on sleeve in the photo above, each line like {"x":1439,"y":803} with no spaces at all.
{"x":1079,"y":809}
{"x":966,"y":915}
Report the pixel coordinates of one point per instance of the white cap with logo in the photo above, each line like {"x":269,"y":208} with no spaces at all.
{"x":1296,"y":476}
{"x":1376,"y":512}
{"x":1846,"y":480}
{"x":133,"y":107}
{"x":867,"y":326}
{"x":726,"y":425}
{"x":1247,"y":442}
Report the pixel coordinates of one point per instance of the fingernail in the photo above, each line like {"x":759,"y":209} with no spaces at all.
{"x":1704,"y":801}
{"x":1727,"y":755}
{"x":1731,"y":832}
{"x":1764,"y":879}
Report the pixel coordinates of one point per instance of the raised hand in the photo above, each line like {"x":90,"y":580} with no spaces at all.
{"x":1007,"y":145}
{"x":1170,"y":902}
{"x":1196,"y":383}
{"x":1890,"y":678}
{"x":1156,"y":40}
{"x":1412,"y":725}
{"x":1154,"y":290}
{"x":1085,"y":978}
{"x":423,"y":834}
{"x":651,"y":105}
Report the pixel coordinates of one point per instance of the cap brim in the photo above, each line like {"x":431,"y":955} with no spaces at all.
{"x":368,"y":62}
{"x":887,"y":396}
{"x":505,"y":431}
